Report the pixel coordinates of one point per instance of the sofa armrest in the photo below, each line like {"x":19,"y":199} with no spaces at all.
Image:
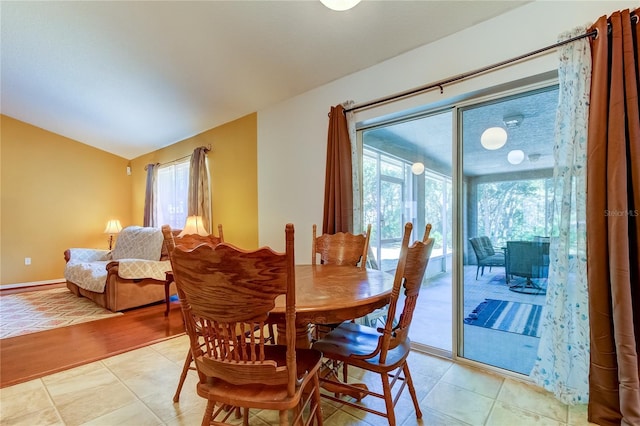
{"x":86,"y":255}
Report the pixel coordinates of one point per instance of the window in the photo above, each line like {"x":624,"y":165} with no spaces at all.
{"x":172,"y":192}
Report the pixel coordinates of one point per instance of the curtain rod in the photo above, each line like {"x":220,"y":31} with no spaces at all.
{"x":441,"y":83}
{"x":206,"y":149}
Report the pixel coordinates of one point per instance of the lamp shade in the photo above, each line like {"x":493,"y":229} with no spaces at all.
{"x":493,"y":138}
{"x":193,"y":225}
{"x":113,"y":227}
{"x":340,"y":5}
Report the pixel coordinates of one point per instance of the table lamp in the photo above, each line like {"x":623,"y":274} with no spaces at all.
{"x":113,"y":227}
{"x":194,"y":225}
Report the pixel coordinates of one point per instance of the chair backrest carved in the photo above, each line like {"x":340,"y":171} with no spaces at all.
{"x":342,"y":248}
{"x":412,"y":265}
{"x":191,"y":240}
{"x":226,"y":293}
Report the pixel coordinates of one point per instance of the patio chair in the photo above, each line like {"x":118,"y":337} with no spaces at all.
{"x":528,"y":259}
{"x":486,"y":254}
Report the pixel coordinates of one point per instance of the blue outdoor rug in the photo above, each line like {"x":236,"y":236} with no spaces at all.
{"x":513,"y":317}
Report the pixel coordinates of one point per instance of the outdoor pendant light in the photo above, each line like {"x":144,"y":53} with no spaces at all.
{"x":515,"y":156}
{"x":493,"y":138}
{"x":417,"y":168}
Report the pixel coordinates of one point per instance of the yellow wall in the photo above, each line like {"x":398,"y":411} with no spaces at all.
{"x":56,"y":193}
{"x":233,"y":171}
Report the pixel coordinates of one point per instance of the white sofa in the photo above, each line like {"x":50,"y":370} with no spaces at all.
{"x":133,"y":274}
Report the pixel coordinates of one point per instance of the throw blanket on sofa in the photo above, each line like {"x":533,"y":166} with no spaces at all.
{"x":88,"y":275}
{"x":136,"y":268}
{"x":137,"y":242}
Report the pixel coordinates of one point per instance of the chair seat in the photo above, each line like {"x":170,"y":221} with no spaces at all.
{"x":350,"y":340}
{"x":273,"y":397}
{"x":494,"y":260}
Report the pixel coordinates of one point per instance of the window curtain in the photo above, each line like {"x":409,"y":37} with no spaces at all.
{"x":613,"y":234}
{"x":562,"y":364}
{"x":338,"y":184}
{"x":199,"y":200}
{"x":150,"y":196}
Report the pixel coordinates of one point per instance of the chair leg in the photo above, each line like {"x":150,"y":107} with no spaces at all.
{"x":388,"y":399}
{"x":208,"y":413}
{"x":316,"y":397}
{"x":183,"y":375}
{"x":245,"y":417}
{"x":284,"y":417}
{"x":272,"y":334}
{"x":412,"y":389}
{"x":477,"y":270}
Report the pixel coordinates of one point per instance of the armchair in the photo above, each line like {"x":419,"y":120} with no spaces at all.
{"x":486,"y":254}
{"x":133,"y":274}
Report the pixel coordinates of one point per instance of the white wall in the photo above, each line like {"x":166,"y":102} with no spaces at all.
{"x":292,"y":135}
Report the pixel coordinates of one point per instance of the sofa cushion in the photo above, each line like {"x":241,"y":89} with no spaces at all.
{"x":137,"y":242}
{"x":88,"y":275}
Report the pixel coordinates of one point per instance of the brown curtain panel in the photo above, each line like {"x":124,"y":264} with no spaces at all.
{"x":150,"y":195}
{"x":613,"y":234}
{"x":199,"y":203}
{"x":338,"y":183}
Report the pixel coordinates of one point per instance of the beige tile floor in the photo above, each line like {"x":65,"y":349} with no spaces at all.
{"x":136,"y":388}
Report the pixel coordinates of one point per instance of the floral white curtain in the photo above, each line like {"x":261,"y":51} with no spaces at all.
{"x":355,"y":168}
{"x":562,"y":365}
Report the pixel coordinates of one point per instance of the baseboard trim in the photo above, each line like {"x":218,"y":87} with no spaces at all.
{"x":32,"y":284}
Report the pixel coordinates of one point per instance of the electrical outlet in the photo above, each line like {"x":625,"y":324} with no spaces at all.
{"x":27,"y":261}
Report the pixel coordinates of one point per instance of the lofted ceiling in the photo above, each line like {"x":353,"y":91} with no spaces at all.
{"x":130,"y":77}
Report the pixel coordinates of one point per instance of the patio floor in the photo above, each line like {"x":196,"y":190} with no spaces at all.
{"x":433,"y":324}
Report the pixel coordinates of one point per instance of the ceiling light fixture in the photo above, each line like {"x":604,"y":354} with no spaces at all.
{"x":512,"y":121}
{"x":417,"y":168}
{"x":515,"y":156}
{"x":340,"y":5}
{"x":493,"y":138}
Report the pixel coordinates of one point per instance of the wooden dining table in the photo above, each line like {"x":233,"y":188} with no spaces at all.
{"x":327,"y":294}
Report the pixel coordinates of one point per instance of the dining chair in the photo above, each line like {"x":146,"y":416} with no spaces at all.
{"x":383,"y":350}
{"x":171,"y":239}
{"x":342,"y":248}
{"x":226,"y":294}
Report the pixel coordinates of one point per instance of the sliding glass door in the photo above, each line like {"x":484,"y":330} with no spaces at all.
{"x":407,"y":178}
{"x":498,"y":179}
{"x":507,"y":170}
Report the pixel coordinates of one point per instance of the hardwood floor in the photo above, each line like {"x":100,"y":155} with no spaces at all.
{"x":31,"y":356}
